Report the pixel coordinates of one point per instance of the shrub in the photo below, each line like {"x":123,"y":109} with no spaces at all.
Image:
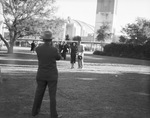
{"x":76,"y":38}
{"x":97,"y":52}
{"x":126,"y":50}
{"x":87,"y":48}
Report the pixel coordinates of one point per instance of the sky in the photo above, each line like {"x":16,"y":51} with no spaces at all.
{"x":85,"y":10}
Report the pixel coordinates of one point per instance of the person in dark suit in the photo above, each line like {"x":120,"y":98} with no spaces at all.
{"x":33,"y":46}
{"x":73,"y":53}
{"x":47,"y":74}
{"x":65,"y":50}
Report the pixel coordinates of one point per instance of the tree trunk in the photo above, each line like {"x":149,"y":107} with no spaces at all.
{"x":11,"y":49}
{"x":10,"y":46}
{"x":12,"y":35}
{"x":5,"y":42}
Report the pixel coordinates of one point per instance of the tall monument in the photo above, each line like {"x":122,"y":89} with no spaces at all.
{"x":106,"y":13}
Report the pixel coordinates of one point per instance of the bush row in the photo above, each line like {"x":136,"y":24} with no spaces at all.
{"x":126,"y":50}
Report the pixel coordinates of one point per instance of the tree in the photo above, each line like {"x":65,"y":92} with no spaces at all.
{"x":122,"y":39}
{"x":67,"y":37}
{"x":138,"y":32}
{"x":76,"y":38}
{"x":103,"y":33}
{"x":55,"y":24}
{"x":20,"y":17}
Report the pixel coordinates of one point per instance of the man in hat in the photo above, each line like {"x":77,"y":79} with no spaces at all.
{"x":47,"y":74}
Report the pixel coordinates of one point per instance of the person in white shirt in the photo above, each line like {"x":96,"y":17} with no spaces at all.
{"x":80,"y":55}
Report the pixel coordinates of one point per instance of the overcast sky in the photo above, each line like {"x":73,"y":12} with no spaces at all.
{"x":85,"y":10}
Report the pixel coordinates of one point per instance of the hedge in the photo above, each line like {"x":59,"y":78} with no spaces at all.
{"x":126,"y":50}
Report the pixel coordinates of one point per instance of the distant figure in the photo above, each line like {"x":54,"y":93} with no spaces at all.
{"x":33,"y":47}
{"x":80,"y":55}
{"x":47,"y":74}
{"x":73,"y":49}
{"x":64,"y":50}
{"x":61,"y":47}
{"x":67,"y":38}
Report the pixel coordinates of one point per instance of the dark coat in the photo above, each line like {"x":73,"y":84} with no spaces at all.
{"x":47,"y":56}
{"x":33,"y":46}
{"x":73,"y":54}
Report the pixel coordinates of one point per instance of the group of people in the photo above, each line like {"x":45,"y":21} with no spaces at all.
{"x":75,"y":49}
{"x":47,"y":73}
{"x":63,"y":49}
{"x":77,"y":52}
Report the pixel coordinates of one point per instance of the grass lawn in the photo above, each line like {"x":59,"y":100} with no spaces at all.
{"x":107,"y":87}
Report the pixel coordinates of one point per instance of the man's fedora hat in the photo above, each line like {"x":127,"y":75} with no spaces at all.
{"x":47,"y":35}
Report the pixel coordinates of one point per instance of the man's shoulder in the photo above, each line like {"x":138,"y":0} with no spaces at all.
{"x":39,"y":46}
{"x":52,"y":47}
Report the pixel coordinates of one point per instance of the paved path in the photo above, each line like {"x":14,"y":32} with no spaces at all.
{"x":107,"y":87}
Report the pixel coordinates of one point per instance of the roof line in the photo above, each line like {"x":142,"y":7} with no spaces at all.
{"x":77,"y":22}
{"x":87,"y":25}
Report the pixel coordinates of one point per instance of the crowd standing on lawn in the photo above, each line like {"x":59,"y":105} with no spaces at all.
{"x":47,"y":74}
{"x":76,"y":50}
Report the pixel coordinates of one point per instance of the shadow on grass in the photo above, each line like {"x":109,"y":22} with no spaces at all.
{"x":107,"y":95}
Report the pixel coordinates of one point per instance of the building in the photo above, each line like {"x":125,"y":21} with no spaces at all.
{"x":106,"y":13}
{"x":79,"y":28}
